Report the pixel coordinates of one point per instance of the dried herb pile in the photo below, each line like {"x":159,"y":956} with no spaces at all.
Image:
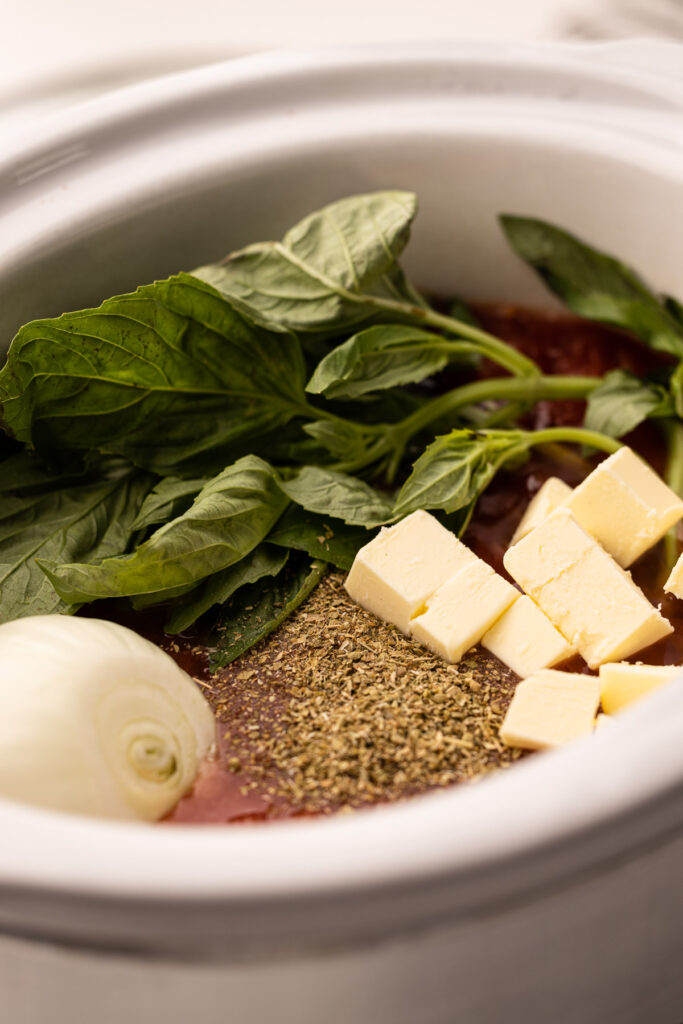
{"x":339,"y":709}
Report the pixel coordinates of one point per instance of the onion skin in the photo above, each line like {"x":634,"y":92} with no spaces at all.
{"x":96,"y":720}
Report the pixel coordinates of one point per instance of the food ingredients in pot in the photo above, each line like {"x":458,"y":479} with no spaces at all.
{"x":625,"y":505}
{"x":593,"y":602}
{"x":622,"y":684}
{"x":462,"y":610}
{"x":395,"y":574}
{"x":526,"y":640}
{"x":674,"y":584}
{"x":552,"y":494}
{"x":96,"y":720}
{"x":551,"y":708}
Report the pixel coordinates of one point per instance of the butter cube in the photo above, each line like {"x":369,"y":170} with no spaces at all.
{"x":625,"y":506}
{"x":674,"y":584}
{"x":462,"y":610}
{"x":552,"y":493}
{"x":622,"y":683}
{"x":551,"y":708}
{"x":395,"y":573}
{"x":525,"y":639}
{"x":584,"y":593}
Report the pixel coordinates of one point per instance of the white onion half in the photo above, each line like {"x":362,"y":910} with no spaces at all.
{"x":96,"y":720}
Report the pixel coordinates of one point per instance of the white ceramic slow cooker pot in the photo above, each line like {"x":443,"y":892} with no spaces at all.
{"x":552,"y":892}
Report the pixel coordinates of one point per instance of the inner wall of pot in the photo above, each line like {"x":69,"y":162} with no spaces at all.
{"x":144,"y":229}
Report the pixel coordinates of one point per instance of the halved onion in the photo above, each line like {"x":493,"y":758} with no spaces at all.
{"x":96,"y":720}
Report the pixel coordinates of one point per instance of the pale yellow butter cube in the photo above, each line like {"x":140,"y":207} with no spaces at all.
{"x":674,"y":584}
{"x":551,"y":708}
{"x":395,"y":573}
{"x":591,"y":600}
{"x":551,"y":494}
{"x":625,"y":505}
{"x":622,"y":684}
{"x":525,"y":639}
{"x":462,"y":610}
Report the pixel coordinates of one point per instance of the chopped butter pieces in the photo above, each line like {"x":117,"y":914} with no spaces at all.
{"x":525,"y":639}
{"x":551,"y":708}
{"x":625,"y":505}
{"x":622,"y":683}
{"x":674,"y":584}
{"x":462,"y":610}
{"x":395,"y":573}
{"x":552,"y":493}
{"x":588,"y":597}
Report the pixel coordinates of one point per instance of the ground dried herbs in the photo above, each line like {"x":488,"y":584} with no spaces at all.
{"x":338,"y":709}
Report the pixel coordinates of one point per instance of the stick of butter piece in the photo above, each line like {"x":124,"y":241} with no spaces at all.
{"x":674,"y":584}
{"x":622,"y":684}
{"x":625,"y":506}
{"x":395,"y":573}
{"x":551,"y":494}
{"x":591,"y":600}
{"x":551,"y":708}
{"x":462,"y":610}
{"x":525,"y":639}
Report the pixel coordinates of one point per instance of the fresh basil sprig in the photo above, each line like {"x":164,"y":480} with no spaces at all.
{"x":60,"y":520}
{"x":321,"y":536}
{"x":594,"y":284}
{"x":337,"y":270}
{"x":339,"y":495}
{"x":330,"y":272}
{"x":455,"y":469}
{"x":622,"y":401}
{"x":170,"y":376}
{"x":228,"y":518}
{"x":265,"y":560}
{"x":384,"y":356}
{"x":168,"y":499}
{"x":259,"y":608}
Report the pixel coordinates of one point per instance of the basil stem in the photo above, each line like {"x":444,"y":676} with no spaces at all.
{"x":674,"y":478}
{"x":529,"y":389}
{"x":484,"y":343}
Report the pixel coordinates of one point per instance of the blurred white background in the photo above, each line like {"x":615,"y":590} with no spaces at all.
{"x":57,"y":52}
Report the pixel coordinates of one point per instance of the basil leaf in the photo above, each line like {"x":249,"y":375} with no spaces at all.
{"x":384,"y":356}
{"x":674,"y":308}
{"x":594,"y":284}
{"x":328,"y":270}
{"x":319,"y":536}
{"x":170,"y":498}
{"x":229,"y":517}
{"x":23,"y":471}
{"x":62,"y":522}
{"x":219,"y":588}
{"x":341,"y":438}
{"x":452,"y":472}
{"x":259,"y":608}
{"x":676,"y":385}
{"x":171,"y":376}
{"x":337,"y":495}
{"x":140,"y":602}
{"x":622,"y":401}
